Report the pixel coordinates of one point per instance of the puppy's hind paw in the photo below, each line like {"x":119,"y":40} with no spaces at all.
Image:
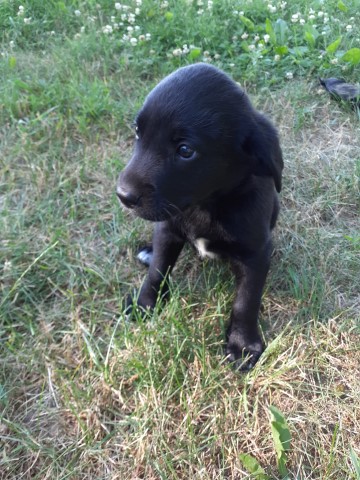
{"x":145,"y":255}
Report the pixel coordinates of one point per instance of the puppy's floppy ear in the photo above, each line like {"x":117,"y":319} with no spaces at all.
{"x":263,"y":145}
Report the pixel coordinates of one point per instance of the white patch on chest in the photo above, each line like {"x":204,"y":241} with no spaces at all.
{"x":201,"y":245}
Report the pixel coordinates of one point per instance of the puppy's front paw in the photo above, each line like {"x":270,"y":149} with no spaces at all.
{"x":243,"y":352}
{"x":133,"y":307}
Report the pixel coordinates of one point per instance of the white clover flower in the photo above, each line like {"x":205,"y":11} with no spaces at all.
{"x":326,"y":19}
{"x":77,"y":13}
{"x":277,"y":58}
{"x":52,"y":33}
{"x":123,"y":16}
{"x":256,"y":38}
{"x":152,"y":52}
{"x":251,"y":47}
{"x":141,"y":38}
{"x":311,"y":17}
{"x":130,"y":29}
{"x":82,"y":29}
{"x":138,"y":3}
{"x":21,"y":10}
{"x":283,"y":5}
{"x":266,"y":38}
{"x":137,"y":11}
{"x":320,"y":13}
{"x":131,"y":18}
{"x":334,"y":61}
{"x":147,"y":37}
{"x":136,"y":28}
{"x":133,"y":41}
{"x":186,"y":49}
{"x":200,"y":3}
{"x":234,"y":38}
{"x":302,"y":21}
{"x":107,"y":29}
{"x":271,"y":8}
{"x":113,"y":19}
{"x":125,"y":7}
{"x":125,"y":37}
{"x":295,"y":17}
{"x":348,"y":28}
{"x":177,"y":52}
{"x":244,"y":36}
{"x":210,"y":5}
{"x":77,"y":36}
{"x":200,"y":11}
{"x":231,"y":65}
{"x":11,"y":44}
{"x":27,"y":21}
{"x":235,"y":12}
{"x":289,"y":75}
{"x":311,"y":11}
{"x":7,"y":266}
{"x":217,"y":56}
{"x":164,"y":4}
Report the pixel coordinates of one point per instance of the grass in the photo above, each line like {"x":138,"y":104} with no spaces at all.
{"x":86,"y":394}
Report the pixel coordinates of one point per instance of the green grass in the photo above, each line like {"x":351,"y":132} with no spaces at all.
{"x":84,"y":393}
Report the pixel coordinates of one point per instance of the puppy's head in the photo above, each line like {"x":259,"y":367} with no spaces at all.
{"x":195,"y":136}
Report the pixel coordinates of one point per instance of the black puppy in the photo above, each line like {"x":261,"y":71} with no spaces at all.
{"x":205,"y":168}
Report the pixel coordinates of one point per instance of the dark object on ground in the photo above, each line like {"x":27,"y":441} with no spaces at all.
{"x":205,"y":168}
{"x":341,"y":90}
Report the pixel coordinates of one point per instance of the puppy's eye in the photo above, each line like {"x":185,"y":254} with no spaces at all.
{"x":186,"y":152}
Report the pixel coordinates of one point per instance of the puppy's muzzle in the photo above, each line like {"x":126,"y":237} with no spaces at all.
{"x":128,"y":198}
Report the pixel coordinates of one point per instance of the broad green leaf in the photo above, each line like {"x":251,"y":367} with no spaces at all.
{"x":309,"y":37}
{"x":299,"y":51}
{"x":334,"y":46}
{"x":270,"y":31}
{"x":352,"y":56}
{"x":194,"y":53}
{"x":169,"y":16}
{"x":247,"y":22}
{"x":281,"y":28}
{"x":61,"y":6}
{"x":356,"y":462}
{"x":12,"y":62}
{"x":281,"y":429}
{"x":341,"y":6}
{"x":281,"y":50}
{"x":281,"y":436}
{"x":22,"y":85}
{"x":253,"y":466}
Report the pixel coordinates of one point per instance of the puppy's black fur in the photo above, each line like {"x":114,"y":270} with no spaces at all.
{"x":206,"y":168}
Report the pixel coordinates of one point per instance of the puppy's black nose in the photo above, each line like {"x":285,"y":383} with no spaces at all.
{"x":129,"y":199}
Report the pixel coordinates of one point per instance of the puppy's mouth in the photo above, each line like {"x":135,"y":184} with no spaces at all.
{"x":148,"y":207}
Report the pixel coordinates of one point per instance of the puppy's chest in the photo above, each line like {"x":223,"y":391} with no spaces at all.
{"x":208,"y":237}
{"x":203,"y":246}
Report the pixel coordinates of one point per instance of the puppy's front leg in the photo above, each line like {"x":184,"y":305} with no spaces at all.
{"x":243,"y":339}
{"x":166,"y":248}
